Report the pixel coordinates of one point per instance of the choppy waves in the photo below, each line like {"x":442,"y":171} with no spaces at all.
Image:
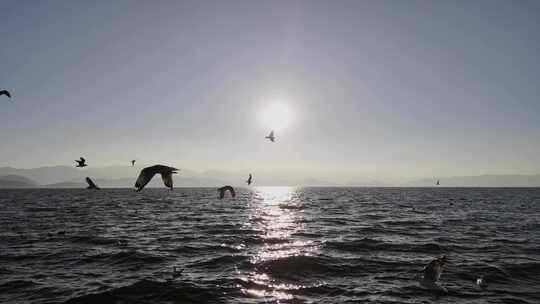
{"x":270,"y":245}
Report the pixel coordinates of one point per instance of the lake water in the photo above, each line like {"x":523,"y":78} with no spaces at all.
{"x":268,"y":245}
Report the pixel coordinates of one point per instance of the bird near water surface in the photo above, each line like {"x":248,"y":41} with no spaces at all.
{"x":224,"y":189}
{"x":91,"y":184}
{"x":147,"y":173}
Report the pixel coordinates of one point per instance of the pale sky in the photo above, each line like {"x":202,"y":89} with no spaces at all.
{"x":374,"y":88}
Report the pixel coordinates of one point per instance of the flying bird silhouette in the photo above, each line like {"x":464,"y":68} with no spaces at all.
{"x":250,"y":178}
{"x":147,"y":173}
{"x":224,"y":189}
{"x":271,"y":136}
{"x":5,"y":92}
{"x":91,"y":184}
{"x":81,"y":163}
{"x":133,"y":162}
{"x":438,"y":182}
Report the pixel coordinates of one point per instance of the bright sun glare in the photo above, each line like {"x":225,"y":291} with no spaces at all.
{"x":276,"y":116}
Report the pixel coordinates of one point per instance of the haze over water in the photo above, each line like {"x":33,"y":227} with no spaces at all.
{"x":277,"y":245}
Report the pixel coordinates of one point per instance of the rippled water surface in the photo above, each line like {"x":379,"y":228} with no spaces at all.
{"x":269,"y":245}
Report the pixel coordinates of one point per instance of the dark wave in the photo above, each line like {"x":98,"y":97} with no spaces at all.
{"x":147,"y":291}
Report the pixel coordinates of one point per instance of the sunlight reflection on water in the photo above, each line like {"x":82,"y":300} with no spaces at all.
{"x":275,"y":212}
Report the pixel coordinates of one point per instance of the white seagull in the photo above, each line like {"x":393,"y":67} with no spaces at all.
{"x":147,"y":173}
{"x":481,"y":282}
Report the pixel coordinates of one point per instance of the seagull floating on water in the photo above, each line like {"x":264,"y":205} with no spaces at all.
{"x":5,"y":92}
{"x":271,"y":136}
{"x":91,"y":184}
{"x":147,"y":173}
{"x":481,"y":283}
{"x":224,"y":189}
{"x":432,"y":273}
{"x":249,"y":179}
{"x":81,"y":163}
{"x":133,"y":162}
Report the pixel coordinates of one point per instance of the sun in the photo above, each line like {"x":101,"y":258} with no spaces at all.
{"x":276,"y":116}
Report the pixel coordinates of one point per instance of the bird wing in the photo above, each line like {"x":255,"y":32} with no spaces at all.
{"x":221,"y":193}
{"x":144,"y":177}
{"x":4,"y":92}
{"x":271,"y":134}
{"x":432,"y":271}
{"x":91,"y":184}
{"x":231,"y":189}
{"x":167,"y":179}
{"x":82,"y":159}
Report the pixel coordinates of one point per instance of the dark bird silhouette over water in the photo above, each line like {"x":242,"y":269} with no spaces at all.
{"x":271,"y":136}
{"x":133,"y":163}
{"x":81,"y":163}
{"x":438,"y":182}
{"x":4,"y":92}
{"x":224,"y":189}
{"x":249,"y":179}
{"x":91,"y":184}
{"x":432,"y":272}
{"x":147,"y":173}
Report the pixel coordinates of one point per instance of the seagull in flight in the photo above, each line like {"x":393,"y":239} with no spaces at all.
{"x":271,"y":136}
{"x":224,"y":189}
{"x":81,"y":163}
{"x":133,"y":162}
{"x":249,"y":180}
{"x":91,"y":184}
{"x":147,"y":173}
{"x":5,"y":92}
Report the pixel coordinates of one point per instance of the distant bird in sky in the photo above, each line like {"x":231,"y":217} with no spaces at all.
{"x":147,"y":173}
{"x":224,"y":189}
{"x":133,"y":162}
{"x":81,"y":163}
{"x":91,"y":184}
{"x":5,"y":92}
{"x":271,"y":136}
{"x":249,"y":179}
{"x":438,"y":182}
{"x":432,"y":273}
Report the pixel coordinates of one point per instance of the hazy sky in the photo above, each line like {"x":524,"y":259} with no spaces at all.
{"x":375,"y":88}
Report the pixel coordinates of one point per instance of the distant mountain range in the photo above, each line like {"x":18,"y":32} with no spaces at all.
{"x":124,"y":176}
